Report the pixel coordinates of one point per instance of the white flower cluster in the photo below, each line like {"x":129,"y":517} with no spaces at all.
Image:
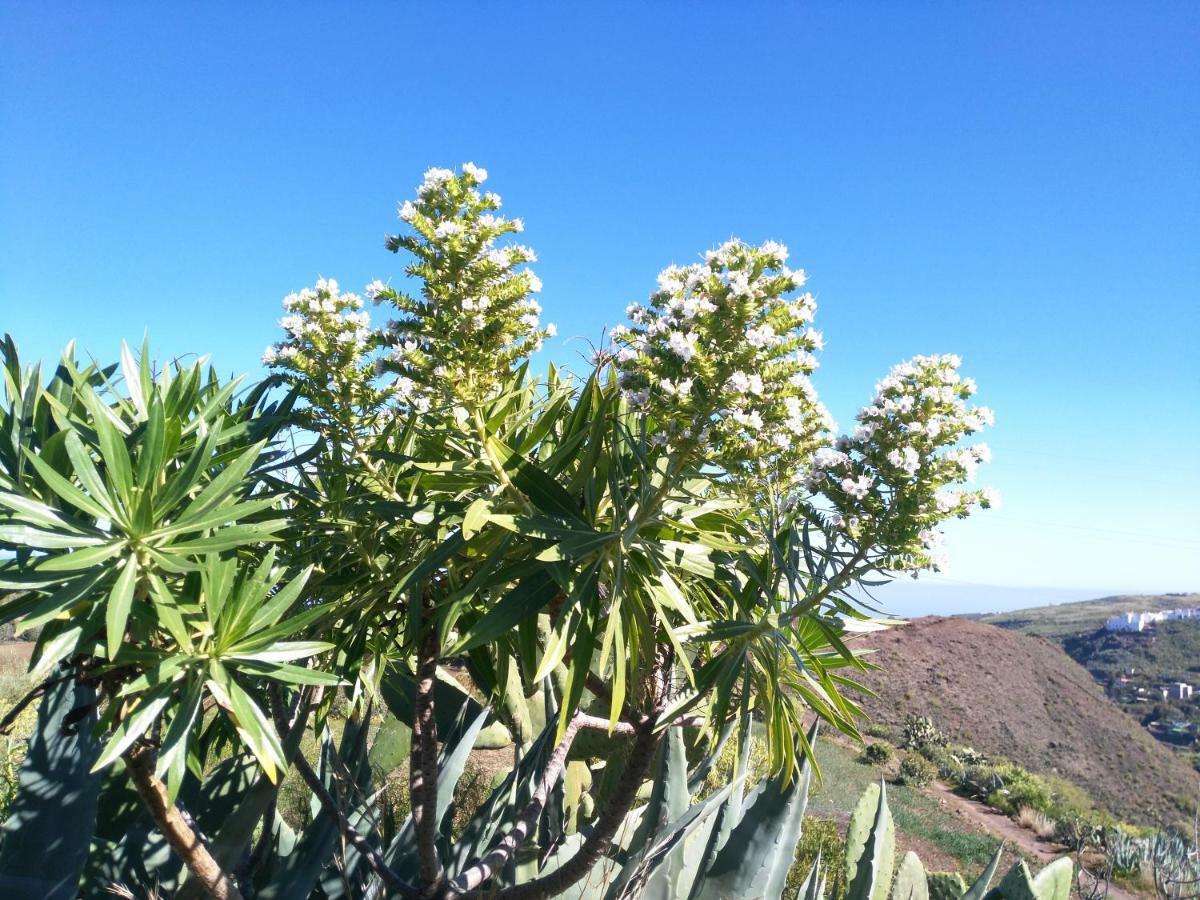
{"x":328,"y":343}
{"x":719,"y":361}
{"x":475,"y":318}
{"x":892,"y":481}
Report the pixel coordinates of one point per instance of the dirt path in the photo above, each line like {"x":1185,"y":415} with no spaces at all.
{"x":1039,"y":851}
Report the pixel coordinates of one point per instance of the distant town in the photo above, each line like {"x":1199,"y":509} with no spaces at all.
{"x":1140,"y":621}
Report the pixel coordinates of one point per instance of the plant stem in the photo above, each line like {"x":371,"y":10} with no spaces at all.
{"x":369,"y":852}
{"x":187,"y":845}
{"x":483,"y":869}
{"x":423,"y":767}
{"x":604,"y":829}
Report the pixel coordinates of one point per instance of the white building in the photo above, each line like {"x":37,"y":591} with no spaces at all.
{"x":1140,"y":621}
{"x":1181,"y":690}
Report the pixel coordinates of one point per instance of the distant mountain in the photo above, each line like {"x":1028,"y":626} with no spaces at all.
{"x":1020,"y":696}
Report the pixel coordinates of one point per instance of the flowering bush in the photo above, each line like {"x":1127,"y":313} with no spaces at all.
{"x":672,"y":539}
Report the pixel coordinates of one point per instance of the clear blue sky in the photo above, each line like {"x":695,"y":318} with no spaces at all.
{"x":1017,"y":183}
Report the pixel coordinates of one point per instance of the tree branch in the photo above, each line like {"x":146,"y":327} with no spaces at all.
{"x":186,"y":843}
{"x":423,"y":766}
{"x":369,"y":851}
{"x":601,"y":836}
{"x":483,"y":869}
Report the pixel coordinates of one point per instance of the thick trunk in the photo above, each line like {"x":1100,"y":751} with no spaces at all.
{"x":183,"y":840}
{"x":423,"y":769}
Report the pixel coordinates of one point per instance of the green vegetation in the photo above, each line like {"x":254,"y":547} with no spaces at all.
{"x":878,"y":753}
{"x":917,"y":771}
{"x":230,"y":583}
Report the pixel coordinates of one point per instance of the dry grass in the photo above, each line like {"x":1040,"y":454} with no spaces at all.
{"x":1036,"y":821}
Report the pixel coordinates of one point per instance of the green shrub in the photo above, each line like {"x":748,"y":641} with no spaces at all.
{"x":819,"y":835}
{"x":878,"y":753}
{"x":880,"y":730}
{"x":917,"y":771}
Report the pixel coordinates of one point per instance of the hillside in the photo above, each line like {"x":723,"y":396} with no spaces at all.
{"x":1022,"y":697}
{"x":1065,"y":619}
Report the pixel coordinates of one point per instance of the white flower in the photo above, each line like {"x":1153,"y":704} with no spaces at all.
{"x":777,"y":250}
{"x":762,"y":336}
{"x":408,"y":212}
{"x":447,"y":229}
{"x":374,"y":289}
{"x":434,"y":179}
{"x":535,"y":283}
{"x":990,"y":497}
{"x":682,"y":345}
{"x":551,"y":329}
{"x":905,"y":458}
{"x":476,"y":172}
{"x":269,"y":356}
{"x":857,"y":487}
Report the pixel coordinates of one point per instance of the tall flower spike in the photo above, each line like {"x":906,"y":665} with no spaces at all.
{"x":475,"y":318}
{"x":328,"y":343}
{"x":904,"y":451}
{"x":719,"y":362}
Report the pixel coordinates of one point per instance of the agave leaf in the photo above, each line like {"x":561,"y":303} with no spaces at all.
{"x":1055,"y":881}
{"x":298,"y":873}
{"x":871,"y":858}
{"x":49,"y":828}
{"x":761,"y":847}
{"x":812,"y":886}
{"x":979,"y":888}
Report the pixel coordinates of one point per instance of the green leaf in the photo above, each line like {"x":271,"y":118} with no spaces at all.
{"x":256,"y":731}
{"x":33,"y":512}
{"x":215,"y":517}
{"x":135,"y":724}
{"x":173,"y":752}
{"x":232,"y":537}
{"x":85,"y":471}
{"x":284,"y":651}
{"x":270,"y":612}
{"x":67,"y":595}
{"x":79,"y":559}
{"x":526,"y":599}
{"x":289,"y":673}
{"x":133,"y":382}
{"x":112,"y":447}
{"x":120,"y":600}
{"x":39,"y":539}
{"x":65,"y":489}
{"x":223,"y":486}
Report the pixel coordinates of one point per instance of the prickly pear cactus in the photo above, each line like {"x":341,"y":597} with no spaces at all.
{"x":946,"y":885}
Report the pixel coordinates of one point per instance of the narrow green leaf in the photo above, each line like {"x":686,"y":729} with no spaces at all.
{"x":120,"y":600}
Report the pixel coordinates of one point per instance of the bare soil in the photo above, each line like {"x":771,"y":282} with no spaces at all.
{"x":1021,"y":697}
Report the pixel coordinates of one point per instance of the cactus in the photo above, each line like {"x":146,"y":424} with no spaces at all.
{"x":870,"y":857}
{"x":946,"y":885}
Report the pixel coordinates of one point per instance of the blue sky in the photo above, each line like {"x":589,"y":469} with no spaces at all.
{"x":1017,"y":183}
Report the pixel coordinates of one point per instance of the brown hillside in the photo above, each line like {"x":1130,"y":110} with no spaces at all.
{"x":1023,"y":698}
